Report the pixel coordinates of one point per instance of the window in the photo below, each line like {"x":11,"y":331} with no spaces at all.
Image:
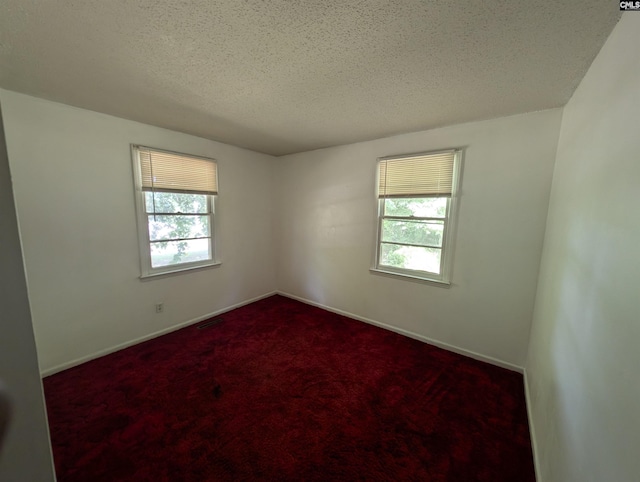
{"x":175,"y":199}
{"x":416,"y":208}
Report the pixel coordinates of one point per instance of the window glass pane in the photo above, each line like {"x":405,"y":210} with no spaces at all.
{"x":174,"y":202}
{"x":411,"y":257}
{"x":426,"y":207}
{"x":178,"y":227}
{"x":426,"y":233}
{"x":167,"y":253}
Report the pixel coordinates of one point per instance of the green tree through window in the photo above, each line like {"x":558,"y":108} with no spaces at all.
{"x":178,"y":223}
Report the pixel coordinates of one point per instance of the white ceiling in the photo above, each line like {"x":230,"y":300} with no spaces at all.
{"x":283,"y":76}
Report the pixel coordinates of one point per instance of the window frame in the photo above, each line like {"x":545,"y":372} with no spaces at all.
{"x":449,"y":224}
{"x":142,"y":221}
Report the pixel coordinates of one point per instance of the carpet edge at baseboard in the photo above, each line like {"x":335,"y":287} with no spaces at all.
{"x":150,"y":336}
{"x":410,"y":334}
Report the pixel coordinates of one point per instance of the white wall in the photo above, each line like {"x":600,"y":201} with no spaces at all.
{"x":26,"y":454}
{"x":327,"y":216}
{"x":73,"y":186}
{"x":584,"y":357}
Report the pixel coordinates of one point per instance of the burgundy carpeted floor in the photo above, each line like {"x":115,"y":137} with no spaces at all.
{"x":283,"y":391}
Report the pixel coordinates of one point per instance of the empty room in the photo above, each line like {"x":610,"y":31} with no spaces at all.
{"x":310,"y":241}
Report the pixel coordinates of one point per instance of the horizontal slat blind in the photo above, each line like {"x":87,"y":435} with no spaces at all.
{"x":421,"y":175}
{"x":167,"y":171}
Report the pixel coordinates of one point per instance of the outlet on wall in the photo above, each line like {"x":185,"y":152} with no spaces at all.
{"x":159,"y":307}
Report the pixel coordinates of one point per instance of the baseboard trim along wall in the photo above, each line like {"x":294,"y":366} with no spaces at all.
{"x":532,"y":428}
{"x":410,"y":334}
{"x":107,"y":351}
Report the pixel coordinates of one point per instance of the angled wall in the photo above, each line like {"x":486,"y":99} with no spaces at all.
{"x":582,"y":370}
{"x":26,"y":452}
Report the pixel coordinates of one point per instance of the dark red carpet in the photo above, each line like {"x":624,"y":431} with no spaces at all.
{"x":283,"y":391}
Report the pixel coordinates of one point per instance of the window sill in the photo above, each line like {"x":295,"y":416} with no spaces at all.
{"x":411,"y":277}
{"x":182,"y":270}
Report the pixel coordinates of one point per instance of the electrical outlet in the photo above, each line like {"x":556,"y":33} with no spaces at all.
{"x":159,"y":307}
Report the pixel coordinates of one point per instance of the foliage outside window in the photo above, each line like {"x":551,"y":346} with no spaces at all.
{"x":176,"y":199}
{"x":416,"y":197}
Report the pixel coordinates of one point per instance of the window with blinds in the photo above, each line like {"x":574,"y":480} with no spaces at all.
{"x":416,"y":206}
{"x":175,"y":196}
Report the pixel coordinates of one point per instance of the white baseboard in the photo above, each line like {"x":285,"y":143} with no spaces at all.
{"x":532,"y":428}
{"x":410,"y":334}
{"x":121,"y":346}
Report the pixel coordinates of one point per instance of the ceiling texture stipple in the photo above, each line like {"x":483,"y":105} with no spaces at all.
{"x":284,"y":76}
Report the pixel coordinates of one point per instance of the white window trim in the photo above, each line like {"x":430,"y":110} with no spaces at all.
{"x":449,"y":234}
{"x":147,"y":271}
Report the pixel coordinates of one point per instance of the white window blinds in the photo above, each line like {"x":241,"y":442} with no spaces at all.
{"x":417,"y":175}
{"x":168,"y":171}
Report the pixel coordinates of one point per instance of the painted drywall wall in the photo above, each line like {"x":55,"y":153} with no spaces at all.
{"x":73,"y":187}
{"x":582,"y":370}
{"x":327,"y":220}
{"x":26,"y":452}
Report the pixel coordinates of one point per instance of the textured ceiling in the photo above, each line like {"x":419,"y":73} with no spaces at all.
{"x":282,"y":76}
